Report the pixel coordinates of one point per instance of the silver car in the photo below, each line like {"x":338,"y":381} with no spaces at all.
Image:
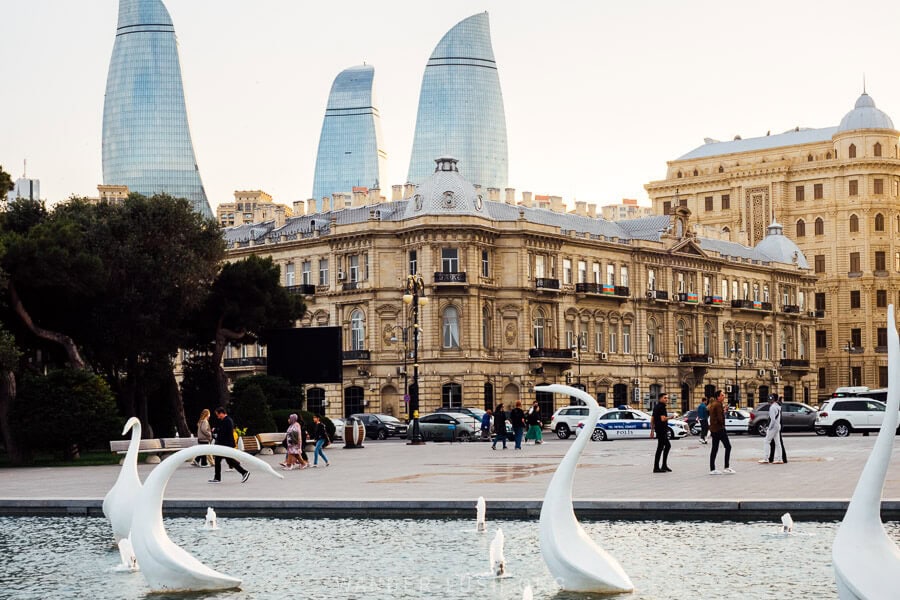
{"x":443,"y":426}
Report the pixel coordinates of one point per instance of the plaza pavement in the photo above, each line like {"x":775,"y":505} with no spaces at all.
{"x":391,"y":478}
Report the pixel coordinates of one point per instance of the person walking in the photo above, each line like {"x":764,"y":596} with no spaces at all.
{"x":486,"y":425}
{"x":517,"y":420}
{"x":224,"y":436}
{"x":661,"y":429}
{"x":322,"y":440}
{"x":499,"y":426}
{"x":533,"y":419}
{"x":204,"y":436}
{"x":718,"y":433}
{"x":703,"y":417}
{"x":773,"y":434}
{"x":294,"y":437}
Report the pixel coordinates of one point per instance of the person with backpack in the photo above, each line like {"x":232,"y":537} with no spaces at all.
{"x":322,"y":440}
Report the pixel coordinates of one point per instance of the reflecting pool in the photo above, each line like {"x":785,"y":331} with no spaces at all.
{"x":73,"y":557}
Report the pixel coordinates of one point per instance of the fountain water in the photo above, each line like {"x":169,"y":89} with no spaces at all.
{"x":576,"y":562}
{"x":118,"y":504}
{"x":787,"y":523}
{"x":527,"y":593}
{"x":866,"y":560}
{"x":126,"y":553}
{"x":498,"y":561}
{"x":480,"y":510}
{"x":211,"y":522}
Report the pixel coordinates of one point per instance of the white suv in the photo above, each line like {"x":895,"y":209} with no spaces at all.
{"x":565,"y":420}
{"x":841,"y":416}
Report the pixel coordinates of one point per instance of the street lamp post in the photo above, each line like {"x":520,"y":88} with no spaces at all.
{"x":415,"y":296}
{"x":736,"y":354}
{"x":849,"y":350}
{"x":405,"y":333}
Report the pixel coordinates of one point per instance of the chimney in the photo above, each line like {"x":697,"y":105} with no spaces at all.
{"x":375,"y":196}
{"x":581,"y":208}
{"x":408,"y":190}
{"x":510,"y":195}
{"x":326,"y":204}
{"x":360,"y":194}
{"x":494,"y":194}
{"x":556,"y":204}
{"x":300,"y":206}
{"x":396,"y":193}
{"x":592,"y":211}
{"x":526,"y":199}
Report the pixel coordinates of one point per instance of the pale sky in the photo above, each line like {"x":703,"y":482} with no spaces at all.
{"x":598,"y":94}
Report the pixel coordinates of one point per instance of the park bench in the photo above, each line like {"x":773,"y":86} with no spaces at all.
{"x":153,"y":448}
{"x":271,"y":443}
{"x":251,"y":444}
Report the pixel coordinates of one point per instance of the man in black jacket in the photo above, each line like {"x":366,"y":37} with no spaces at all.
{"x":499,"y":426}
{"x":517,"y":420}
{"x":223,"y":434}
{"x":661,"y":429}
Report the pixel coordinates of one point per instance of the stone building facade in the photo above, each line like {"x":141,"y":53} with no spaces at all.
{"x":522,"y":296}
{"x":836,"y":191}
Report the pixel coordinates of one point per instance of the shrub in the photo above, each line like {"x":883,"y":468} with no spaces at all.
{"x":249,"y":409}
{"x":279,"y":393}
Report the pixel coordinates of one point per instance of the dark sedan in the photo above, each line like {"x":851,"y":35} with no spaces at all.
{"x":381,"y":427}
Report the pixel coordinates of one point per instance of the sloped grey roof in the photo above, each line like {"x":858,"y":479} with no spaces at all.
{"x":646,"y":228}
{"x":865,"y":116}
{"x":766,"y":142}
{"x":780,"y":248}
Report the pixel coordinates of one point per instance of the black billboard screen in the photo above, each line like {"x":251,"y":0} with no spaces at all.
{"x":305,"y":354}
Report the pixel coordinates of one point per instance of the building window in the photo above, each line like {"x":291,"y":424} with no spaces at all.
{"x":820,"y":263}
{"x":821,"y":338}
{"x":289,"y":274}
{"x":306,"y":272}
{"x":757,"y":350}
{"x":879,"y":222}
{"x":613,"y":339}
{"x":878,"y":186}
{"x":851,"y":151}
{"x":538,"y":328}
{"x":707,"y":339}
{"x":856,"y":337}
{"x":610,"y":274}
{"x":817,"y":191}
{"x":854,"y":298}
{"x":820,"y":301}
{"x":451,"y":395}
{"x":679,"y":337}
{"x":880,"y":261}
{"x":724,"y":290}
{"x":485,"y":264}
{"x":323,"y":271}
{"x":768,"y":347}
{"x":652,"y":333}
{"x":708,"y":203}
{"x":667,"y":205}
{"x":854,"y":224}
{"x":567,"y":271}
{"x":450,"y":260}
{"x":353,"y":261}
{"x":820,"y":226}
{"x":450,"y":330}
{"x":726,"y":201}
{"x":357,"y":330}
{"x":413,"y":262}
{"x":881,"y":298}
{"x":877,"y":149}
{"x":596,"y":271}
{"x":626,"y":339}
{"x":854,"y":262}
{"x":623,"y":276}
{"x":599,"y":337}
{"x":766,"y":293}
{"x":799,"y":192}
{"x":882,"y":377}
{"x":582,"y":271}
{"x":854,"y":187}
{"x":822,"y":381}
{"x":801,"y":228}
{"x":486,"y":328}
{"x":897,"y":261}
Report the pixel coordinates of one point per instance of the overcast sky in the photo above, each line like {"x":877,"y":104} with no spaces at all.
{"x":598,"y":94}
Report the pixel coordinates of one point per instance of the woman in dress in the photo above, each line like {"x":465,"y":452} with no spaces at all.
{"x":294,"y":437}
{"x":204,"y":436}
{"x":533,"y":419}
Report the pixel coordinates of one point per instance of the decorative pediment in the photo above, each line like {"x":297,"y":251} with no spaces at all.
{"x":688,"y":246}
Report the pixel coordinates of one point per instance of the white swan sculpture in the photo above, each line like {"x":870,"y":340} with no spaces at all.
{"x":866,"y":561}
{"x":118,"y":504}
{"x":166,"y":566}
{"x":576,"y":562}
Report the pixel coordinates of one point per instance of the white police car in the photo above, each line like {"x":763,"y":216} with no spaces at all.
{"x":630,"y":423}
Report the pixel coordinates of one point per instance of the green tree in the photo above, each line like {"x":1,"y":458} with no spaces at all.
{"x":246,"y":298}
{"x":9,"y":360}
{"x":249,"y":409}
{"x":6,"y":183}
{"x":199,"y":386}
{"x":65,"y":410}
{"x":280,"y":393}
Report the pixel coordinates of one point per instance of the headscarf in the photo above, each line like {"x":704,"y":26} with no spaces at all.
{"x":292,"y":418}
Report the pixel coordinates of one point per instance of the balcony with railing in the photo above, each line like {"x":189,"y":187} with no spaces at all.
{"x":714,"y":301}
{"x":304,"y":289}
{"x":790,"y":309}
{"x":552,"y":354}
{"x":603,"y":289}
{"x":442,"y":278}
{"x":546,"y":284}
{"x":704,"y":359}
{"x":356,"y":355}
{"x":751,"y":305}
{"x":658,"y":295}
{"x":245,"y":361}
{"x":350,"y":286}
{"x":794,"y":364}
{"x":687,"y":297}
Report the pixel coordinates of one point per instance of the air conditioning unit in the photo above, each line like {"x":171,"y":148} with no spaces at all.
{"x":636,"y":381}
{"x":574,"y":354}
{"x":774,"y":373}
{"x":761,"y":372}
{"x":728,"y":388}
{"x":776,"y":379}
{"x":340,"y":275}
{"x":811,"y":313}
{"x":651,"y":358}
{"x":603,"y":356}
{"x":650,"y":295}
{"x":709,"y":360}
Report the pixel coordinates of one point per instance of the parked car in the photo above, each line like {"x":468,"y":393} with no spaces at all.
{"x":437,"y":427}
{"x":475,"y":414}
{"x":566,"y":419}
{"x":860,"y":391}
{"x":381,"y":427}
{"x":338,"y":428}
{"x":795,"y":416}
{"x":735,"y":421}
{"x":842,"y":416}
{"x":692,"y":420}
{"x":630,"y":423}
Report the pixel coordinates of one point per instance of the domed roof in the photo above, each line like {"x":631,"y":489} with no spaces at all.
{"x":865,"y":116}
{"x":779,"y":248}
{"x":445,"y":192}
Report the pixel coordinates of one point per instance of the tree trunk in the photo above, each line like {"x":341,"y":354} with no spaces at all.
{"x":17,"y":455}
{"x":177,"y":405}
{"x":60,"y":338}
{"x":223,"y":336}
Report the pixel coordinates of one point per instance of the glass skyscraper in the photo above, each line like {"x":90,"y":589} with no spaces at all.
{"x":350,"y":147}
{"x":461,"y":108}
{"x":146,"y":139}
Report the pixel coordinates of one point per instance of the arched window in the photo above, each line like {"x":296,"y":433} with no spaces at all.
{"x":721,"y":169}
{"x":450,"y":329}
{"x":828,"y":155}
{"x":354,"y":401}
{"x":652,"y":333}
{"x":357,"y":330}
{"x":707,"y":339}
{"x":315,"y":401}
{"x":486,"y":328}
{"x":696,"y":172}
{"x":877,"y":149}
{"x":679,"y":337}
{"x":820,"y":226}
{"x":538,"y":328}
{"x":854,"y":224}
{"x":679,"y":175}
{"x":851,"y":151}
{"x":451,"y":395}
{"x":879,"y":222}
{"x":809,"y":158}
{"x":801,"y":228}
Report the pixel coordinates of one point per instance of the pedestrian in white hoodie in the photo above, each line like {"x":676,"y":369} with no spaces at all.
{"x":773,"y":434}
